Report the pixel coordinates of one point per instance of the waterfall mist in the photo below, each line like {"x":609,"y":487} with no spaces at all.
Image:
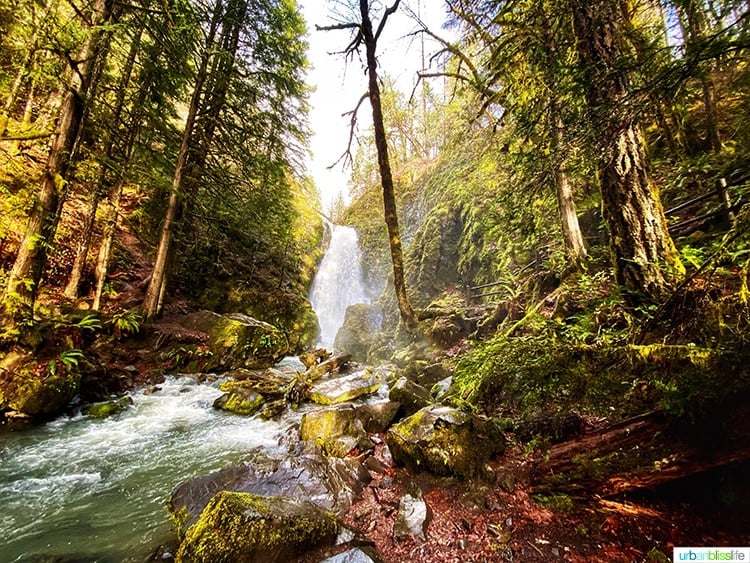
{"x":338,"y":283}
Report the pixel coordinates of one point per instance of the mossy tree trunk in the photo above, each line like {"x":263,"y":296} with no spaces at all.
{"x":645,"y":259}
{"x":369,"y":38}
{"x":23,"y":282}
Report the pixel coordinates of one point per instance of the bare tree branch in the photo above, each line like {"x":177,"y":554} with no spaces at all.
{"x":347,"y":156}
{"x":388,"y":12}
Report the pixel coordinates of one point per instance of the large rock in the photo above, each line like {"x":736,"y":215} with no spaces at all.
{"x":346,"y":388}
{"x":411,"y":396}
{"x":238,"y":341}
{"x":250,"y":528}
{"x":330,"y":483}
{"x":335,"y":431}
{"x":444,"y":441}
{"x":361,"y":323}
{"x":36,"y":388}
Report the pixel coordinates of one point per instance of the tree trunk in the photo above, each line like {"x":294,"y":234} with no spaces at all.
{"x":82,"y":251}
{"x":645,"y":258}
{"x":386,"y":177}
{"x":574,"y":241}
{"x":696,"y":26}
{"x":209,"y":96}
{"x":23,"y":282}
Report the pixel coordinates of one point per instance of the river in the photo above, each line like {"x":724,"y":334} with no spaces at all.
{"x":77,"y":489}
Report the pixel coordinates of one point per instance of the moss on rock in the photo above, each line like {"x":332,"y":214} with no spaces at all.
{"x":32,"y":387}
{"x":244,"y":403}
{"x":250,"y":528}
{"x":335,"y":430}
{"x":105,"y":409}
{"x":238,"y":341}
{"x":444,"y":441}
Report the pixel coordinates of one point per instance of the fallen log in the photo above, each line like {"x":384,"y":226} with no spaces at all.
{"x":319,"y":370}
{"x":642,"y":452}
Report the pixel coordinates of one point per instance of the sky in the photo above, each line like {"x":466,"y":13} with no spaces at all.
{"x":339,"y":85}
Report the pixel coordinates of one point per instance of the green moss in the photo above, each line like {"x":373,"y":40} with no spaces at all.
{"x":244,"y":527}
{"x":106,"y":409}
{"x":246,"y":404}
{"x":557,"y":502}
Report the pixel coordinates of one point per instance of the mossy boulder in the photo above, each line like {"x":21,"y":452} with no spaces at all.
{"x":242,"y":402}
{"x":361,"y":323}
{"x":238,"y":341}
{"x":346,"y":388}
{"x":330,"y":483}
{"x":105,"y":409}
{"x":34,"y":387}
{"x":444,"y":441}
{"x":249,"y":528}
{"x":411,"y":396}
{"x":335,"y":430}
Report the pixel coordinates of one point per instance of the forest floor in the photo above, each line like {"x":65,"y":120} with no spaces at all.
{"x":501,"y":521}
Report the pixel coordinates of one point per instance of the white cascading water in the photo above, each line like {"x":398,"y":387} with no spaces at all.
{"x":95,"y":490}
{"x":338,"y":283}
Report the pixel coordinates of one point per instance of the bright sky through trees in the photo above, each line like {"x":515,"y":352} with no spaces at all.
{"x":339,"y":84}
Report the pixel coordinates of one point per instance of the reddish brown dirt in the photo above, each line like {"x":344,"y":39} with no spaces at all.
{"x":500,"y":521}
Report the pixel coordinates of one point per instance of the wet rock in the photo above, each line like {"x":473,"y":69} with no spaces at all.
{"x":445,"y":441}
{"x":267,"y":382}
{"x":313,"y":357}
{"x":237,"y":340}
{"x":377,"y":417}
{"x":355,"y":336}
{"x":246,"y":403}
{"x":335,"y":431}
{"x":105,"y":409}
{"x":250,"y":528}
{"x":410,"y":395}
{"x":441,"y":388}
{"x":413,"y":517}
{"x":355,"y":555}
{"x":330,"y":483}
{"x":346,"y":388}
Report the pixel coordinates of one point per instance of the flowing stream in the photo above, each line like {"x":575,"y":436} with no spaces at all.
{"x":338,"y":283}
{"x":85,"y":490}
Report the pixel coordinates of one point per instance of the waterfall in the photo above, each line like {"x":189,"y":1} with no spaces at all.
{"x":338,"y":283}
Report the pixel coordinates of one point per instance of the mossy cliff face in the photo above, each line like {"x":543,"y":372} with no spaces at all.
{"x":238,"y":341}
{"x":249,"y":528}
{"x":32,"y":387}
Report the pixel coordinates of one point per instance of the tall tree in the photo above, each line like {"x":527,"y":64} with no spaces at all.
{"x":645,"y":259}
{"x":242,"y":130}
{"x":23,"y":281}
{"x":514,"y":54}
{"x":154,"y":299}
{"x":368,"y":36}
